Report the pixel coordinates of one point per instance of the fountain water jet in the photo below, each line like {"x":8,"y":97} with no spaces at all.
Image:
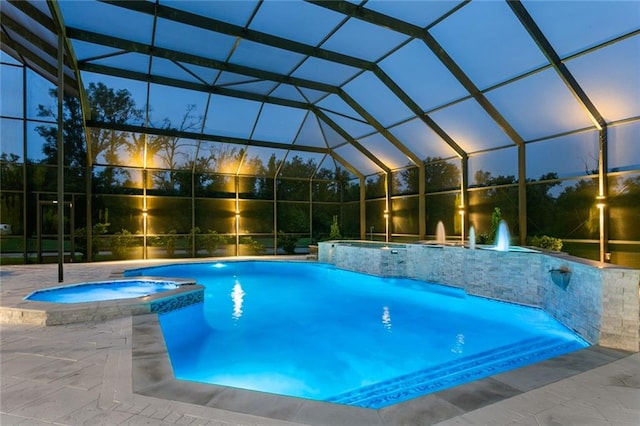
{"x":472,"y":238}
{"x":502,"y":237}
{"x":440,"y":234}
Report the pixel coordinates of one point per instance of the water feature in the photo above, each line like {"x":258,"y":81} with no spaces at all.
{"x":502,"y":237}
{"x":472,"y":238}
{"x":441,"y":237}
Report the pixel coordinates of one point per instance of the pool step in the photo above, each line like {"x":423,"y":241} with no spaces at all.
{"x":455,"y":372}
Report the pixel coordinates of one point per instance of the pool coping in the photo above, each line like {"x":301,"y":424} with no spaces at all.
{"x":32,"y":312}
{"x":152,"y":375}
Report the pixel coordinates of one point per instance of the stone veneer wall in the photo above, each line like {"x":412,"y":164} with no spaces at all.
{"x":601,"y":301}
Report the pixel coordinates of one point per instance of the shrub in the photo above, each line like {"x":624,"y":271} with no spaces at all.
{"x":169,"y":242}
{"x":252,"y":246}
{"x":81,"y":238}
{"x":546,"y":242}
{"x":496,"y":217}
{"x":211,"y":241}
{"x":287,"y":242}
{"x":483,"y":238}
{"x":121,"y":242}
{"x":191,"y":240}
{"x":334,"y":234}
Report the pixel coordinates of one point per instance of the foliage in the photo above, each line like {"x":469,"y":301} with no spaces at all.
{"x":483,"y":238}
{"x":98,"y":229}
{"x":293,"y":217}
{"x":211,"y":241}
{"x":75,"y":157}
{"x":121,"y":242}
{"x":192,"y":242}
{"x":489,"y":237}
{"x":334,"y":234}
{"x":169,"y":242}
{"x":11,"y":171}
{"x":252,"y":246}
{"x":11,"y":202}
{"x":546,"y":242}
{"x":439,"y":175}
{"x":375,"y":186}
{"x":287,"y":242}
{"x":496,"y":217}
{"x":541,"y":214}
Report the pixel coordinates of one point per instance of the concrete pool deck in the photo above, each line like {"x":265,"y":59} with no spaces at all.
{"x":107,"y":372}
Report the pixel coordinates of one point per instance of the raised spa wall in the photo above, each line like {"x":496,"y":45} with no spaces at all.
{"x":599,"y":301}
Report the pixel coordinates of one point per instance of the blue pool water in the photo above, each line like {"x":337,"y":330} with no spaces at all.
{"x":313,"y":331}
{"x":99,"y":291}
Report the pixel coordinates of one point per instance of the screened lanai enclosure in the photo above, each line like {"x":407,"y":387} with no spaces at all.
{"x":207,"y":128}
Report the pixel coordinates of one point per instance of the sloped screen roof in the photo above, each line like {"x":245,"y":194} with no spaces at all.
{"x":379,"y":85}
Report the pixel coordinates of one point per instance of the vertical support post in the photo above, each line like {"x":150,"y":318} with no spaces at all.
{"x":310,"y":207}
{"x":60,"y":146}
{"x":145,"y":215}
{"x":363,"y":207}
{"x":275,"y":215}
{"x":38,"y":229}
{"x":193,"y":206}
{"x":464,"y":194}
{"x":237,"y":212}
{"x":387,"y":206}
{"x":603,"y":190}
{"x":25,"y":190}
{"x":72,"y":227}
{"x":422,"y":201}
{"x":89,"y":201}
{"x":522,"y":194}
{"x":145,"y":179}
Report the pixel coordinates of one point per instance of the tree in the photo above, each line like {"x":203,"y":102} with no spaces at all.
{"x":75,"y":154}
{"x":624,"y":208}
{"x":169,"y":148}
{"x":439,"y":175}
{"x":375,"y":186}
{"x":214,"y":169}
{"x":292,"y":187}
{"x":106,"y":105}
{"x":541,"y":205}
{"x":11,"y":178}
{"x":501,"y":192}
{"x":578,"y":216}
{"x":114,"y":107}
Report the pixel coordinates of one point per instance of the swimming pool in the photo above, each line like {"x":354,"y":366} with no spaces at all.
{"x":101,"y":291}
{"x":313,"y":331}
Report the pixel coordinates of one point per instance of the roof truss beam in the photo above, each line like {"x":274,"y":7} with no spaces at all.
{"x":552,"y":56}
{"x":160,"y":52}
{"x":237,"y":31}
{"x":415,"y":108}
{"x":199,"y":87}
{"x":202,"y":137}
{"x":349,"y":139}
{"x":237,"y":94}
{"x":380,"y":19}
{"x":267,"y":39}
{"x":380,"y":128}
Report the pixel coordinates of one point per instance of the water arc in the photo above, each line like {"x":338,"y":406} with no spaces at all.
{"x":502,"y":237}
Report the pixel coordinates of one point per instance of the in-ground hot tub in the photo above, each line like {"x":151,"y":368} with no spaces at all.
{"x":103,"y":290}
{"x":104,"y":300}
